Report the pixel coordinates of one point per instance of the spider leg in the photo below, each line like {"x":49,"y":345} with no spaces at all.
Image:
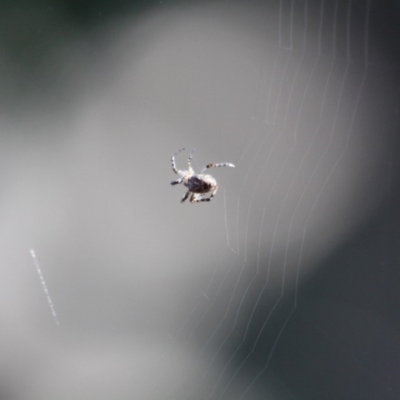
{"x":190,"y":169}
{"x":173,"y":160}
{"x":195,"y":197}
{"x":177,"y":182}
{"x":212,"y":165}
{"x":185,"y":196}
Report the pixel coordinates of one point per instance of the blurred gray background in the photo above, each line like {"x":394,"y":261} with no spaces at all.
{"x":285,"y":286}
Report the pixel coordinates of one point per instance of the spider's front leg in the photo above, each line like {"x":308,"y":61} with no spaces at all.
{"x":173,"y":161}
{"x":189,"y":163}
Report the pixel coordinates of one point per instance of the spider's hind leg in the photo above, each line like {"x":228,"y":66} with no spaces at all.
{"x":185,"y":196}
{"x":213,"y":165}
{"x":177,"y":182}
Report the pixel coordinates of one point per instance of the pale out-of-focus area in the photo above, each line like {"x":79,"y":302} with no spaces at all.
{"x":112,"y":289}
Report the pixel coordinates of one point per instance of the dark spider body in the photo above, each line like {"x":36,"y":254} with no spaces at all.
{"x":200,"y":183}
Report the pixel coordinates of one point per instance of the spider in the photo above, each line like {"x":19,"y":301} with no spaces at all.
{"x":198,"y":184}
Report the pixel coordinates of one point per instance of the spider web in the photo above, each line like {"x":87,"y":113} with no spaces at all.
{"x":262,"y":322}
{"x":285,"y":286}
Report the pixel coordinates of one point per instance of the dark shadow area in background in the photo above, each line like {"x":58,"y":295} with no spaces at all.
{"x":345,"y":333}
{"x":36,"y":73}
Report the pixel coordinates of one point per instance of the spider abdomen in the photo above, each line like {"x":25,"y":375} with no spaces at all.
{"x":201,"y":183}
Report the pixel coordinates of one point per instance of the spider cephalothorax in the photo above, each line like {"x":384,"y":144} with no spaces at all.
{"x":198,"y":184}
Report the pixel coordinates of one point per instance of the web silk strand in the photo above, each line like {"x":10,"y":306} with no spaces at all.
{"x":42,"y":281}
